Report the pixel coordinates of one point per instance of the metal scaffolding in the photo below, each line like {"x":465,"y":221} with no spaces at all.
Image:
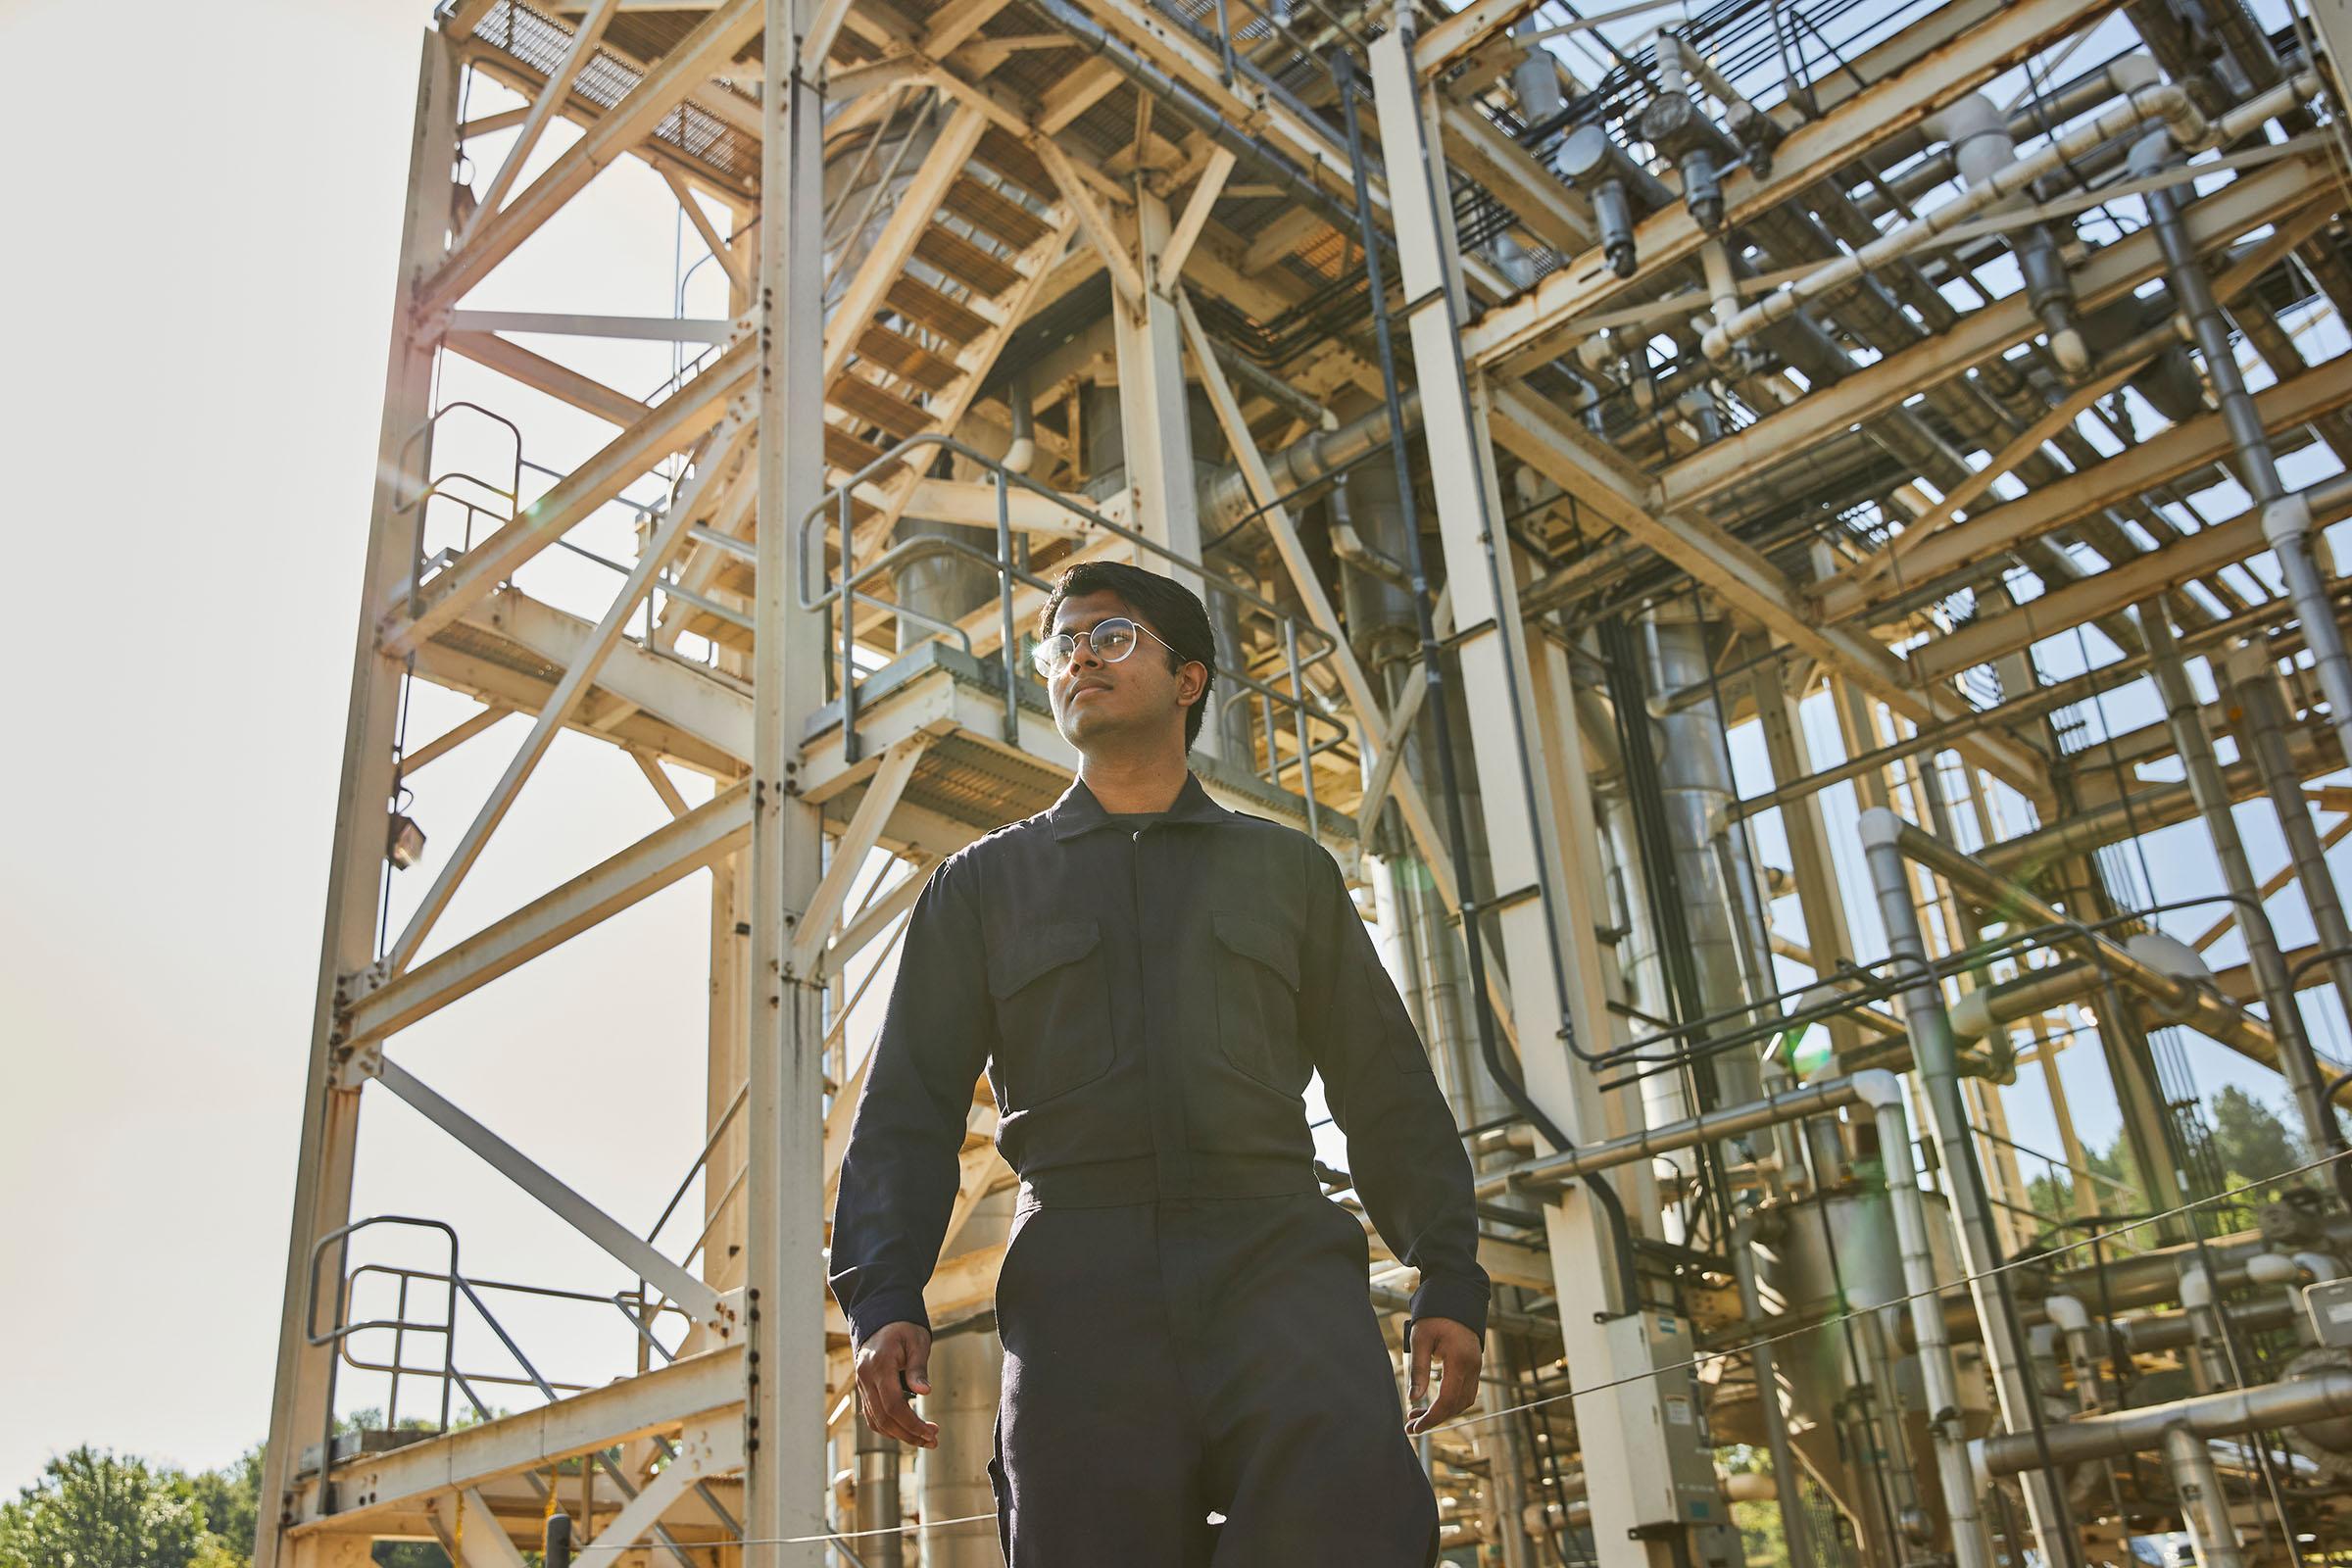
{"x":1782,"y":547}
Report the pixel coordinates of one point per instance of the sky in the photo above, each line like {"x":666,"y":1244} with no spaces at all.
{"x":199,"y":291}
{"x":199,"y":287}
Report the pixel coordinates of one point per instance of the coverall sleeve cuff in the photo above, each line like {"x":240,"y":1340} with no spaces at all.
{"x":885,"y":1307}
{"x":1464,"y":1301}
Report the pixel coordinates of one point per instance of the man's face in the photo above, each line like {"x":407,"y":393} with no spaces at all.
{"x":1137,"y":698}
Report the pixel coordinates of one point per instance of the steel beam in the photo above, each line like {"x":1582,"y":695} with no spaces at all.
{"x":784,"y":1383}
{"x":1522,"y":827}
{"x":667,"y":854}
{"x":356,"y":866}
{"x":1812,"y":153}
{"x":676,"y":76}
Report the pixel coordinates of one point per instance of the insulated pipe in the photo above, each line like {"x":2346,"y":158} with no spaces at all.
{"x":2072,"y":1319}
{"x":2209,"y":1357}
{"x":2326,"y":1397}
{"x":2167,"y":101}
{"x":2258,"y":466}
{"x":878,"y":1515}
{"x":1813,"y":1100}
{"x":1224,"y":497}
{"x":1983,"y":147}
{"x":1971,"y":1548}
{"x":2211,"y":794}
{"x":1021,"y":455}
{"x":2196,"y":1005}
{"x":2204,"y":1506}
{"x":1795,"y":1524}
{"x":1883,"y":843}
{"x":2287,"y":524}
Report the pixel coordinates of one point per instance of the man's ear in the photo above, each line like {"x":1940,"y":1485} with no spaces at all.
{"x":1190,"y":680}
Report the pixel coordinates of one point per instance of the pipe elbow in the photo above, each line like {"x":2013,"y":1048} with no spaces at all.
{"x":2071,"y":352}
{"x":1878,"y":1088}
{"x":1880,"y":828}
{"x":2068,"y":1313}
{"x":2286,"y":521}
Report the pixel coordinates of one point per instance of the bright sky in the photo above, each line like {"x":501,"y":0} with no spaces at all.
{"x":199,"y":292}
{"x":199,"y":289}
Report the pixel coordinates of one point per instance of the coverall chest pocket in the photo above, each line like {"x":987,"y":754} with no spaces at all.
{"x":1257,"y":1000}
{"x":1052,"y":986}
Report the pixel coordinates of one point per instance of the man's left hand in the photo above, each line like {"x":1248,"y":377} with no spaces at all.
{"x":1458,"y":1353}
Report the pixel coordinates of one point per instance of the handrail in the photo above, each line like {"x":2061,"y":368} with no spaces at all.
{"x":1010,"y":570}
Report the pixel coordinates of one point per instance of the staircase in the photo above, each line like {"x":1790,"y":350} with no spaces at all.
{"x":917,"y":331}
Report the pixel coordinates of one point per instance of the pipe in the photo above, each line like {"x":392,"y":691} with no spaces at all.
{"x":2326,"y":1397}
{"x":2192,"y":1003}
{"x":2211,"y":794}
{"x":1883,"y":846}
{"x":2072,"y":1319}
{"x":2260,"y":719}
{"x":2204,"y":1506}
{"x":1981,"y":147}
{"x":1971,"y":1546}
{"x":2287,"y":524}
{"x":878,"y":1508}
{"x":1813,"y":1100}
{"x":2168,"y":101}
{"x":1021,"y":455}
{"x":1225,"y":498}
{"x":1797,"y":1526}
{"x":2209,"y":1355}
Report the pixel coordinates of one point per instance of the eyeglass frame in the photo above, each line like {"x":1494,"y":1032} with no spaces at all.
{"x":1037,"y":655}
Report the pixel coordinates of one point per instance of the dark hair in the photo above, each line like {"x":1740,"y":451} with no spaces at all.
{"x":1168,"y":606}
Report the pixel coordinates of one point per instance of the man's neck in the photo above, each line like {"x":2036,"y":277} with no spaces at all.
{"x":1125,"y":786}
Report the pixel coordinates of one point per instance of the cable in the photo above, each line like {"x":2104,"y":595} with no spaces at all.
{"x":1705,"y":1357}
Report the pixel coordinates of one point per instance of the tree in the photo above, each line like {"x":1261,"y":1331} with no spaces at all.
{"x":93,"y":1509}
{"x":231,"y":1500}
{"x":2253,"y":1143}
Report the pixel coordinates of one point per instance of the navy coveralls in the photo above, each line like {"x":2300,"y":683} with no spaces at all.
{"x":1184,"y":1315}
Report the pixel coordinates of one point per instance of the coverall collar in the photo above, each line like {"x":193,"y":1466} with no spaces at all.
{"x":1078,"y":811}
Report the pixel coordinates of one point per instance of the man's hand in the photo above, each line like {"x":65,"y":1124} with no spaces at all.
{"x":895,"y":1364}
{"x":1458,"y":1351}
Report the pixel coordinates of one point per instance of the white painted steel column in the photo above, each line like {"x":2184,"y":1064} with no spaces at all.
{"x":330,"y":1121}
{"x":1154,"y":423}
{"x":784,"y":1434}
{"x":1515,"y":788}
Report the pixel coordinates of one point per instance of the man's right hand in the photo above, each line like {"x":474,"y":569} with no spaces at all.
{"x":893,"y":1366}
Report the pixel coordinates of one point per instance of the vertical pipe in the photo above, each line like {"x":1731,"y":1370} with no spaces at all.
{"x":2204,"y":1509}
{"x":1931,"y":1032}
{"x":1971,"y":1548}
{"x":2257,"y":467}
{"x":1797,"y":1528}
{"x":2212,"y":794}
{"x":2262,"y":735}
{"x":877,"y":1498}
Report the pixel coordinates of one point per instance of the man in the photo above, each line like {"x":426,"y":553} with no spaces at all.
{"x":1149,"y":980}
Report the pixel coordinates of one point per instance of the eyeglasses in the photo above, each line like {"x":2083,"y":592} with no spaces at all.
{"x":1111,"y":639}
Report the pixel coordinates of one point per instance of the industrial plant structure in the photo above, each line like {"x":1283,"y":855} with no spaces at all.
{"x":1780,"y":544}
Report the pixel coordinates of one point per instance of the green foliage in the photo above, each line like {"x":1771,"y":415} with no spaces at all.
{"x":2254,"y":1143}
{"x":230,"y":1498}
{"x":93,"y":1509}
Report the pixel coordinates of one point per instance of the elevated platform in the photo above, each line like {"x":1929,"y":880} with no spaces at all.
{"x":971,"y":779}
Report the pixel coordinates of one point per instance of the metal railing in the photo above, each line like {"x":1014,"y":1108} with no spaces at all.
{"x":636,"y":1306}
{"x":437,"y":486}
{"x":839,"y":600}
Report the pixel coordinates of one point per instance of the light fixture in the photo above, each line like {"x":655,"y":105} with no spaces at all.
{"x":404,"y":846}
